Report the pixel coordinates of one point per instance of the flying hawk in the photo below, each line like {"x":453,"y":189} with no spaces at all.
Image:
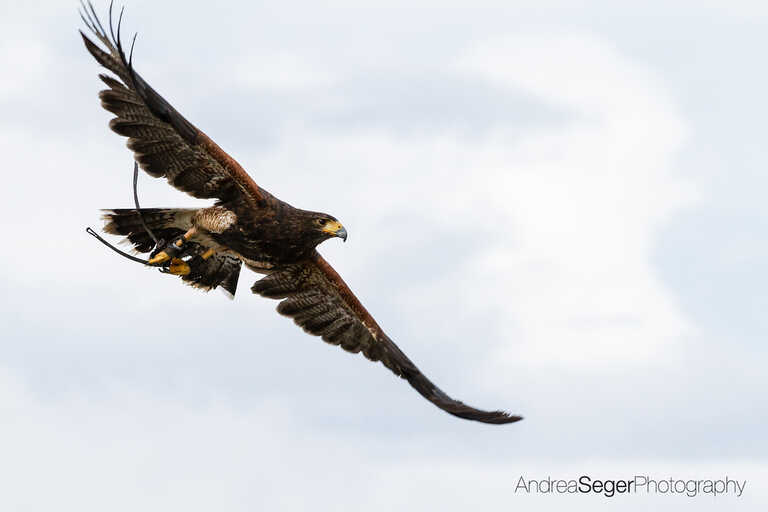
{"x":248,"y":226}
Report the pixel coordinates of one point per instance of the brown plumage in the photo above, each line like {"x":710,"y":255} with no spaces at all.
{"x":247,"y":225}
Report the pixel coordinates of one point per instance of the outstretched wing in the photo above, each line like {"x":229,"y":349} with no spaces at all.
{"x":164,"y":143}
{"x":319,"y":301}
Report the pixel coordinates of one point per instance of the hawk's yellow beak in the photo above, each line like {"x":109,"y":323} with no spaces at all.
{"x":336,"y":229}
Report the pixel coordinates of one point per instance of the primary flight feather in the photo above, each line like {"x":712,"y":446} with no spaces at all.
{"x":207,"y":247}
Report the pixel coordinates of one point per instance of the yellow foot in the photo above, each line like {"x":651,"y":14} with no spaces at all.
{"x":160,"y":257}
{"x":179,"y":267}
{"x":207,"y":254}
{"x":172,"y":249}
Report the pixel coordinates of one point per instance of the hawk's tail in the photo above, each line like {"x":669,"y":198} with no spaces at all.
{"x":168,"y":224}
{"x":165,"y":223}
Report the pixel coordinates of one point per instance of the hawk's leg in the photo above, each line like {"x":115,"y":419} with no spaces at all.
{"x":179,"y":267}
{"x":205,"y":221}
{"x":173,"y":249}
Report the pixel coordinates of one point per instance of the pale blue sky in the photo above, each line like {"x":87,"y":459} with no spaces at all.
{"x":553,"y":210}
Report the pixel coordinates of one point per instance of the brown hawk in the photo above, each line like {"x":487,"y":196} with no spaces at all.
{"x":247,"y":225}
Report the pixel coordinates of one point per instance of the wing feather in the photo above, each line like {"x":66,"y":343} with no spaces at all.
{"x":163,"y":141}
{"x":319,"y":301}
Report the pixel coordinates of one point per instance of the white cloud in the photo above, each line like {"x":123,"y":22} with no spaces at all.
{"x":568,"y":213}
{"x":535,"y":236}
{"x":585,"y":202}
{"x":27,"y":60}
{"x":138,"y":452}
{"x":280,"y":71}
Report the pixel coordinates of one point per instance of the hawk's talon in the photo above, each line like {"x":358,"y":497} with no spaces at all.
{"x":170,"y":252}
{"x":179,"y":267}
{"x":159,"y":258}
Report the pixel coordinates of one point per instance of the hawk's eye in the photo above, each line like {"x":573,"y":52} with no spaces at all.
{"x":321,"y":222}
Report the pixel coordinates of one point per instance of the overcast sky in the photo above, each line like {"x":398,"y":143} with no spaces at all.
{"x":554,"y":210}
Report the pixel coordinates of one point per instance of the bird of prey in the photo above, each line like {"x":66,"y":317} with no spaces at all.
{"x":206,"y":247}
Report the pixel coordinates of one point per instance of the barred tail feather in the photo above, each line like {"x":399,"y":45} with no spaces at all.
{"x":167,"y":223}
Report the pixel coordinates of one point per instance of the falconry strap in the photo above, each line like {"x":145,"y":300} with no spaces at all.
{"x":91,"y":232}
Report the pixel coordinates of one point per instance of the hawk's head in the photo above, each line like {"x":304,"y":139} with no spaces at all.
{"x":318,"y":227}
